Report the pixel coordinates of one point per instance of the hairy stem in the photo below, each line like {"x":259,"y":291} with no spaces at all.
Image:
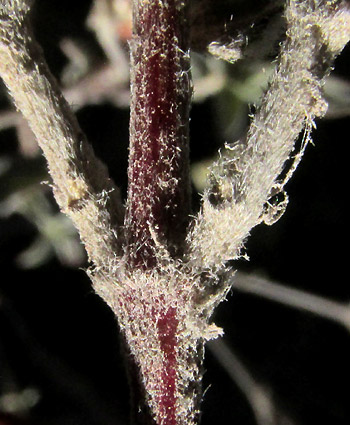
{"x":248,"y":173}
{"x":158,"y":195}
{"x":158,"y":207}
{"x":81,"y":183}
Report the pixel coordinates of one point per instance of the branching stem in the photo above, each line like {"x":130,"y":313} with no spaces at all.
{"x":161,"y":284}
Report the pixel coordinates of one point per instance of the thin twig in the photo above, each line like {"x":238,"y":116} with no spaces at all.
{"x":257,"y":394}
{"x":292,"y":297}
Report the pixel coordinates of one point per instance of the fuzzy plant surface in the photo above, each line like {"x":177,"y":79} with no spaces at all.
{"x":161,"y":268}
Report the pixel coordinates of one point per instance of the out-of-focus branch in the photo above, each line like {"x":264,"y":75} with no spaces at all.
{"x":291,"y":297}
{"x":258,"y":395}
{"x":101,"y":84}
{"x":98,"y":86}
{"x":9,"y":119}
{"x":81,"y":183}
{"x":106,"y":19}
{"x":337,"y":92}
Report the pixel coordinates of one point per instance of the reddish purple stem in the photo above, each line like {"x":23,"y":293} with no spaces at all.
{"x":158,"y":202}
{"x":167,"y":327}
{"x":158,"y":193}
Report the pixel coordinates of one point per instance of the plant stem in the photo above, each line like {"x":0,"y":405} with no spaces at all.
{"x":81,"y":184}
{"x":158,"y":207}
{"x":158,"y":194}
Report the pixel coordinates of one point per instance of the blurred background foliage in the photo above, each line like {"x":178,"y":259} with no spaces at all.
{"x":59,"y":352}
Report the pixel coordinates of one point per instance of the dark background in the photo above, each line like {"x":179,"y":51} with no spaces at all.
{"x":59,"y":338}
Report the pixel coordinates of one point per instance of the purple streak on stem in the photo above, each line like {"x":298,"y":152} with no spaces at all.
{"x":167,"y":327}
{"x":159,"y":192}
